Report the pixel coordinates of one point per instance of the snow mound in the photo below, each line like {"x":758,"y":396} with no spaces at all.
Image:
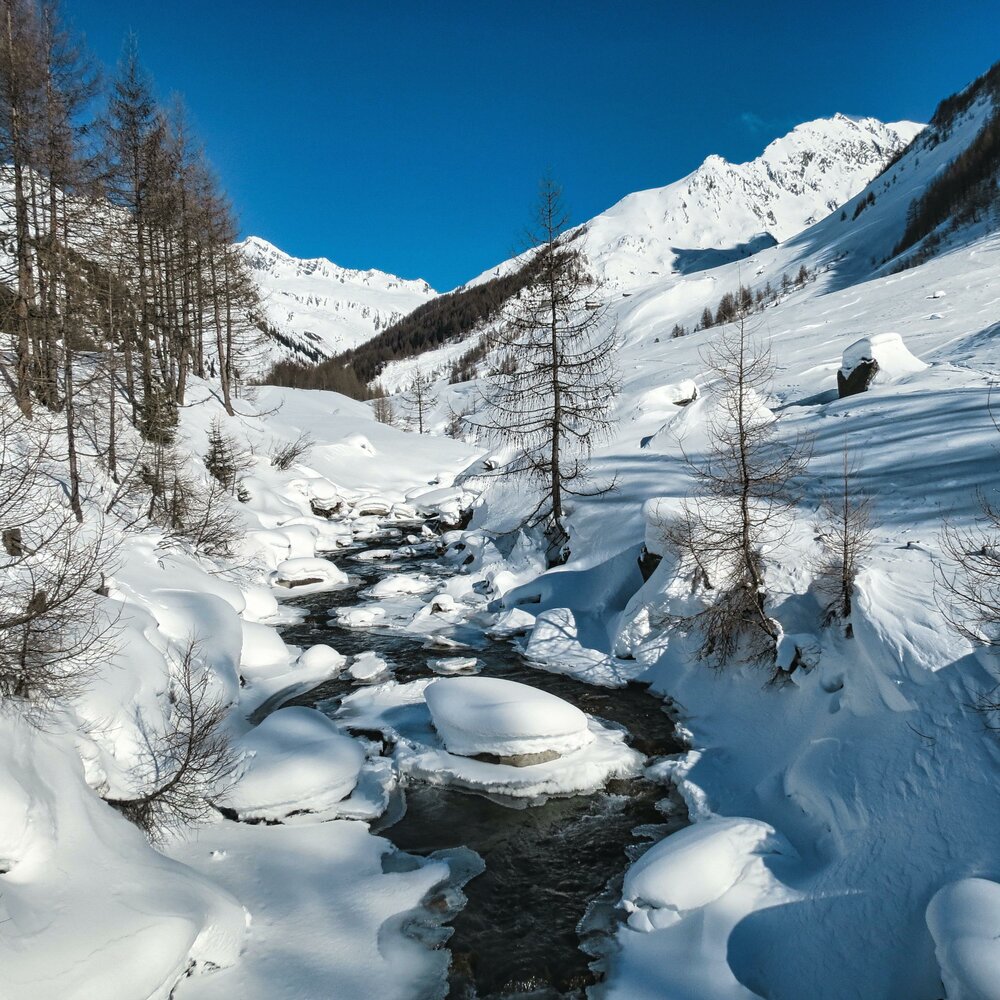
{"x":88,"y":908}
{"x":477,"y":715}
{"x":401,"y":712}
{"x":321,"y":660}
{"x":296,"y":759}
{"x":368,"y":666}
{"x":665,"y":398}
{"x":696,"y":865}
{"x":964,"y":920}
{"x":888,"y":350}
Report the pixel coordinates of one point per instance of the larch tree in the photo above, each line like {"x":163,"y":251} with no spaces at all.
{"x":550,"y":392}
{"x":745,"y":486}
{"x":418,"y":397}
{"x":846,"y":538}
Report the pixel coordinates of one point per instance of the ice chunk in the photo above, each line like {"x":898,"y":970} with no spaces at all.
{"x":475,"y":715}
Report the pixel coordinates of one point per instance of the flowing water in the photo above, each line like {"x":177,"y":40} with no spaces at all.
{"x":541,"y":912}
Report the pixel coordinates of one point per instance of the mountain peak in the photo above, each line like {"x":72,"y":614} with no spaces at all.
{"x":799,"y":178}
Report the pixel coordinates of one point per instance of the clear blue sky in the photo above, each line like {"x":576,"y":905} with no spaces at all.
{"x":410,"y":136}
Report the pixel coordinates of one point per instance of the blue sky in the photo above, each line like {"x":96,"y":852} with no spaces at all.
{"x":410,"y":136}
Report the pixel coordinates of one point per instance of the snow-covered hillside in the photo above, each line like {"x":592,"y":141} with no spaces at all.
{"x":320,"y":309}
{"x":724,"y":211}
{"x":845,"y":837}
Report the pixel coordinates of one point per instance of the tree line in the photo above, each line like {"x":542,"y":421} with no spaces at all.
{"x":119,"y":285}
{"x":445,"y":319}
{"x":121,"y":241}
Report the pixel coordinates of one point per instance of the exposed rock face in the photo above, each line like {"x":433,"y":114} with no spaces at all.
{"x":648,"y":561}
{"x":858,"y":379}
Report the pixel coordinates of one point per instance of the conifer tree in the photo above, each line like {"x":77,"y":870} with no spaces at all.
{"x":551,"y":390}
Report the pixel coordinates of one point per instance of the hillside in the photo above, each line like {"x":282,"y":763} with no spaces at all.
{"x":721,"y":212}
{"x":315,"y":309}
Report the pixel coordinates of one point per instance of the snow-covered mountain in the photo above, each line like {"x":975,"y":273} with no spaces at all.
{"x":726,"y":211}
{"x":318,"y":308}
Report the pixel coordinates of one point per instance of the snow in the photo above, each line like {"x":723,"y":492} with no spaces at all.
{"x":490,"y":715}
{"x":888,"y":349}
{"x":554,"y":644}
{"x":402,"y":713}
{"x":295,"y":759}
{"x":88,"y":908}
{"x":322,"y":308}
{"x":368,"y":666}
{"x":328,"y":920}
{"x":964,"y":918}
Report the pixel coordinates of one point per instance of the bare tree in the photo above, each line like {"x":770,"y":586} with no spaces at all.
{"x":969,"y":581}
{"x":382,"y":406}
{"x":285,"y":454}
{"x":55,"y":624}
{"x":189,"y":764}
{"x":551,"y":389}
{"x":419,"y":398}
{"x":745,"y":487}
{"x":848,"y":525}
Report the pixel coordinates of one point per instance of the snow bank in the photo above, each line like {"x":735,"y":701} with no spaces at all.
{"x":554,"y":644}
{"x":88,"y":908}
{"x":477,"y":715}
{"x":964,"y":920}
{"x":296,"y":759}
{"x":330,"y":918}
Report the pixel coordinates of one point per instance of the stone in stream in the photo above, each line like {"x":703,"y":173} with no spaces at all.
{"x":504,"y":719}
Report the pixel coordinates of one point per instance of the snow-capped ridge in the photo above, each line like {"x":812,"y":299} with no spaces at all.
{"x":318,"y":308}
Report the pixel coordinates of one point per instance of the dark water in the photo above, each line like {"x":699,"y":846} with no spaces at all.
{"x":552,"y":871}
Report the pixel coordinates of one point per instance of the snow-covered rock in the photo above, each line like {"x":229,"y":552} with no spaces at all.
{"x":296,"y":759}
{"x":889,"y":353}
{"x":308,"y":575}
{"x":488,"y":715}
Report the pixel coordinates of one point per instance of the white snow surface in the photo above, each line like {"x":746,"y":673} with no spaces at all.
{"x":477,"y":715}
{"x":964,"y":919}
{"x":295,"y":759}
